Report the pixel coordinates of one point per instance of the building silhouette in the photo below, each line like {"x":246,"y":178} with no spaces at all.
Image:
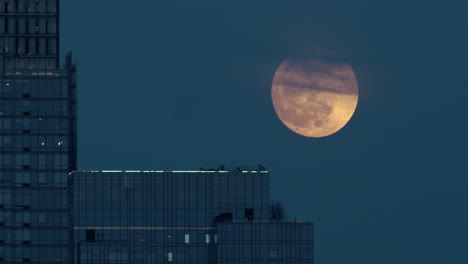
{"x":51,"y":213}
{"x":206,"y":216}
{"x":37,"y":135}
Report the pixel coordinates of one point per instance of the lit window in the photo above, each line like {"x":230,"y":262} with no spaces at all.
{"x":187,"y":238}
{"x":169,"y":256}
{"x":207,"y":238}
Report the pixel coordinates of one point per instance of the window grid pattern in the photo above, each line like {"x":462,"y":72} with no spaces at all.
{"x":154,"y":214}
{"x":29,"y":34}
{"x":37,"y":151}
{"x":272,"y":242}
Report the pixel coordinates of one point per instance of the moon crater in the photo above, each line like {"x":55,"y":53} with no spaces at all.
{"x":314,"y":92}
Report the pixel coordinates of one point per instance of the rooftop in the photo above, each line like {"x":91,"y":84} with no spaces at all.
{"x":174,"y":171}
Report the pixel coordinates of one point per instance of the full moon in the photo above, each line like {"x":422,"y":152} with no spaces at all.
{"x":314,"y":92}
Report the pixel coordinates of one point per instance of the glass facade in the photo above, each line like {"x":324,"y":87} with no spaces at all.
{"x":50,"y":213}
{"x":179,"y":217}
{"x":37,"y":135}
{"x":264,"y":242}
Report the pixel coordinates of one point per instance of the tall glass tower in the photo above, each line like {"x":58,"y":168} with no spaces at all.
{"x":37,"y":135}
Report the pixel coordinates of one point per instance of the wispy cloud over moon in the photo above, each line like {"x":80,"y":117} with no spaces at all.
{"x":314,"y":92}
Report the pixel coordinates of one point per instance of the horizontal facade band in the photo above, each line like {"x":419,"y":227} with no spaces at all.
{"x":144,"y":228}
{"x":34,"y":116}
{"x":28,"y":35}
{"x":134,"y":171}
{"x":22,"y":99}
{"x":29,"y":14}
{"x":34,"y":72}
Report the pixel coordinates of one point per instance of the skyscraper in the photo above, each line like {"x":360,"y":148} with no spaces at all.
{"x":206,"y":216}
{"x":50,"y":213}
{"x":37,"y":134}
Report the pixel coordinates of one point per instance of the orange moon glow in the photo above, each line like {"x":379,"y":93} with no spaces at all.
{"x":314,"y":92}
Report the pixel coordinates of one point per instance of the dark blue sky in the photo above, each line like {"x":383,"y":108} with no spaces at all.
{"x":186,"y":84}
